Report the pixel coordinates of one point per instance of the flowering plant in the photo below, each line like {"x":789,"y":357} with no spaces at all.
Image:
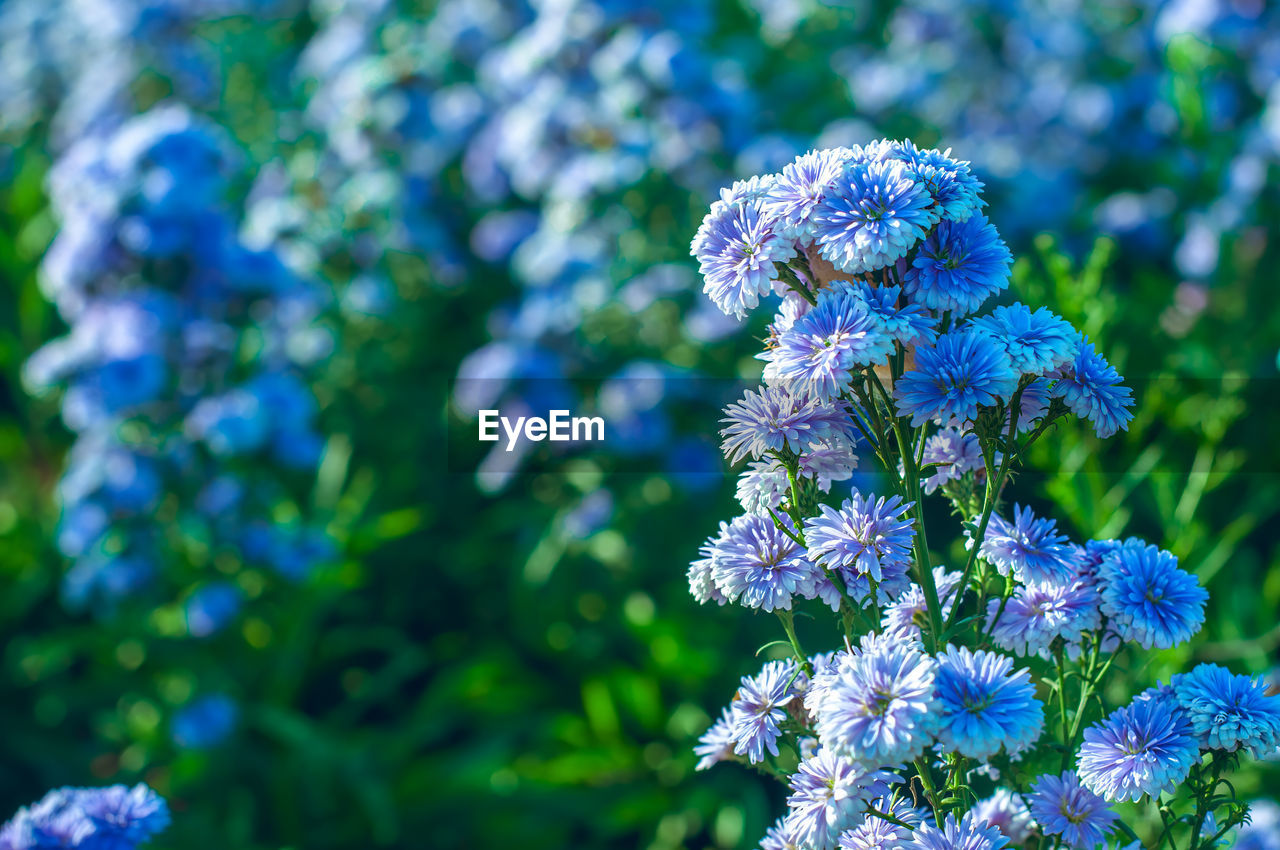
{"x":965,"y":707}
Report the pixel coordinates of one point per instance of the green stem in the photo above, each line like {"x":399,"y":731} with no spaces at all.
{"x":789,"y":626}
{"x":1061,"y":664}
{"x":930,"y":790}
{"x":888,"y":817}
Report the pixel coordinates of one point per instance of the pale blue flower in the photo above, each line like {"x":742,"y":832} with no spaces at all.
{"x":1143,"y":748}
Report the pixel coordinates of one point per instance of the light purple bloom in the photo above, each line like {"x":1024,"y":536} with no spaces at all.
{"x":828,"y":793}
{"x":825,"y":345}
{"x":760,"y":706}
{"x":1040,"y":612}
{"x":777,"y":419}
{"x":1029,"y":547}
{"x":1061,"y":806}
{"x":867,"y":536}
{"x":801,"y":186}
{"x":736,"y":248}
{"x":1143,"y":748}
{"x":1007,"y":812}
{"x":716,"y":744}
{"x":757,"y":564}
{"x":971,"y":833}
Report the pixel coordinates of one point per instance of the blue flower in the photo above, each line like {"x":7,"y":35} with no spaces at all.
{"x":983,"y":706}
{"x":1091,"y":389}
{"x":903,"y":617}
{"x":872,"y":215}
{"x":959,"y":266}
{"x":951,"y":380}
{"x":757,"y":564}
{"x":824,"y":346}
{"x":1149,"y":599}
{"x":1143,"y":748}
{"x":760,"y":707}
{"x":205,"y":722}
{"x":956,"y":192}
{"x":1041,"y":612}
{"x":211,"y":607}
{"x":112,"y":818}
{"x":800,"y":187}
{"x":1037,"y":342}
{"x":876,"y":833}
{"x":1229,"y":712}
{"x":953,"y":452}
{"x":867,"y":536}
{"x":702,"y":584}
{"x":764,"y":485}
{"x":971,"y":833}
{"x":1061,"y":806}
{"x":736,"y":248}
{"x":1029,"y":547}
{"x":1007,"y":812}
{"x":908,"y":324}
{"x":828,"y":793}
{"x":779,"y":837}
{"x":877,"y":703}
{"x":779,"y":418}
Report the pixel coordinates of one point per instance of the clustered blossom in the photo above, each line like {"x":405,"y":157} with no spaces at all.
{"x":112,"y":818}
{"x":883,"y":260}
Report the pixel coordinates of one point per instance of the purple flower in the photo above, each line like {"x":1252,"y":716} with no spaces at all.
{"x":1143,"y":748}
{"x":1007,"y":812}
{"x":756,"y":563}
{"x":759,"y":708}
{"x":716,"y":744}
{"x":777,"y":419}
{"x":1040,"y":612}
{"x":971,"y":833}
{"x":800,"y":188}
{"x":824,"y":346}
{"x":736,"y":248}
{"x":1029,"y":547}
{"x":867,"y":536}
{"x":1062,"y":807}
{"x":828,"y":793}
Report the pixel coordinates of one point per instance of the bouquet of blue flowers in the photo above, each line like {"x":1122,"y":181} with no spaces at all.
{"x":962,"y":708}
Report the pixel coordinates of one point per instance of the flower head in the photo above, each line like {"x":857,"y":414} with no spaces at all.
{"x":1143,"y":748}
{"x":778,"y":418}
{"x":702,"y":584}
{"x":717,"y":743}
{"x":960,"y":265}
{"x":1007,"y":812}
{"x":1063,"y":807}
{"x":825,"y":345}
{"x":1036,"y":341}
{"x":873,"y":214}
{"x":983,"y":706}
{"x":1229,"y":712}
{"x":901,"y":617}
{"x":867,"y":536}
{"x":736,"y":247}
{"x":876,"y":833}
{"x":954,"y":452}
{"x":1040,"y":612}
{"x":956,"y":192}
{"x":1148,"y":598}
{"x":800,"y":188}
{"x":971,"y":833}
{"x":756,"y":563}
{"x":1091,"y":388}
{"x":908,"y":324}
{"x":828,"y":792}
{"x":113,"y":818}
{"x":963,"y":372}
{"x":877,"y":703}
{"x":759,"y":708}
{"x":1029,"y":547}
{"x":764,"y":485}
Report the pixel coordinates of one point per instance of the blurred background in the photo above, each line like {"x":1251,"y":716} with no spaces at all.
{"x":261,"y":262}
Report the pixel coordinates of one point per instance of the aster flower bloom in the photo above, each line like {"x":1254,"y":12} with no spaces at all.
{"x":778,"y":418}
{"x":1091,"y":389}
{"x":1036,"y":341}
{"x":963,"y":372}
{"x":1029,"y":547}
{"x":779,"y":837}
{"x":983,"y":706}
{"x":702,"y":585}
{"x":954,"y":452}
{"x":717,"y":743}
{"x":1143,"y":748}
{"x":117,"y":817}
{"x":971,"y":833}
{"x":1149,"y":600}
{"x":1040,"y":612}
{"x":876,"y":833}
{"x":755,"y":563}
{"x":909,"y":324}
{"x":736,"y":247}
{"x":1007,"y":812}
{"x":758,"y":708}
{"x":867,"y":536}
{"x":824,"y":345}
{"x":873,"y":214}
{"x":901,"y":617}
{"x":1061,"y":806}
{"x":764,"y":485}
{"x":800,"y":187}
{"x":960,"y":265}
{"x":877,"y":705}
{"x":956,"y":192}
{"x":828,"y":793}
{"x":1229,"y":712}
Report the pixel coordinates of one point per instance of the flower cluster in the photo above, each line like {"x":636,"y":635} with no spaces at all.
{"x":184,"y":373}
{"x":881,"y":260}
{"x":114,"y":818}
